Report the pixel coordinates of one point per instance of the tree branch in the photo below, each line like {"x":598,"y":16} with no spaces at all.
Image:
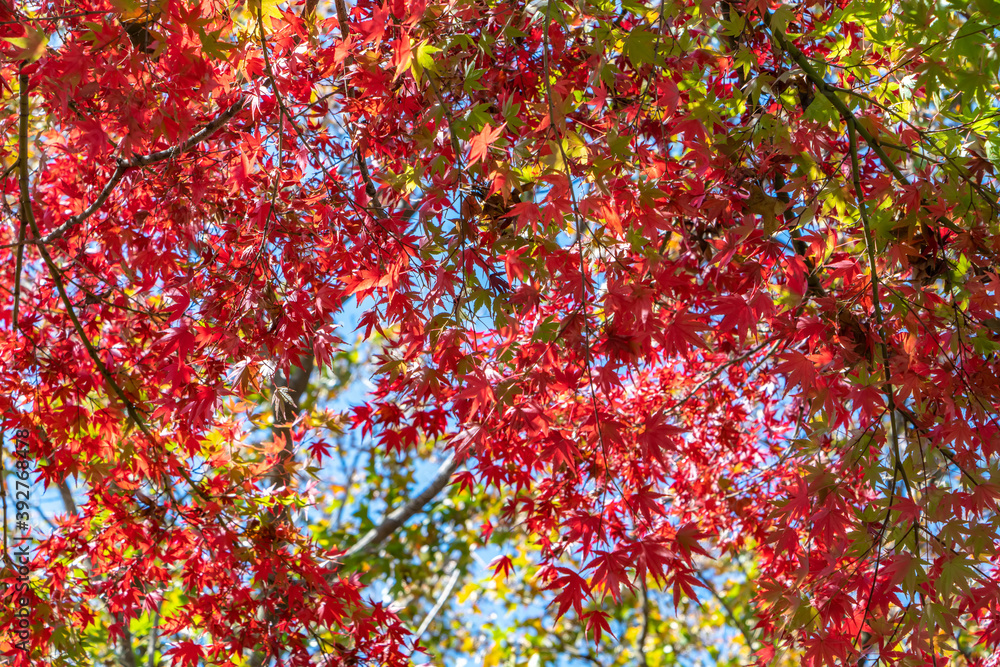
{"x":286,"y":410}
{"x":438,"y":604}
{"x":890,"y":397}
{"x":128,"y":650}
{"x":830,"y":92}
{"x":151,"y":642}
{"x":644,"y":633}
{"x":130,"y":408}
{"x":28,"y":219}
{"x":370,"y":188}
{"x":740,"y":624}
{"x":22,"y":164}
{"x":376,"y":536}
{"x":67,"y":497}
{"x":143,"y":161}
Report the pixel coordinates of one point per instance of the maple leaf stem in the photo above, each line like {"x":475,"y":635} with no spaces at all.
{"x":363,"y":168}
{"x":878,"y":555}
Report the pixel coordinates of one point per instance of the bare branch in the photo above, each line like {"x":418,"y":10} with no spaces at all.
{"x":644,"y":633}
{"x":67,"y":497}
{"x":128,"y":651}
{"x":370,"y":188}
{"x":859,"y":193}
{"x":376,"y":536}
{"x":286,"y":410}
{"x":438,"y":604}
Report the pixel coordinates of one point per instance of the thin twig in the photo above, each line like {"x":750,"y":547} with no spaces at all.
{"x":370,"y":189}
{"x":740,"y":624}
{"x":890,"y":397}
{"x":438,"y":604}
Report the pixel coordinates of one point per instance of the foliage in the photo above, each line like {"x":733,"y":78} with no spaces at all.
{"x":684,"y":314}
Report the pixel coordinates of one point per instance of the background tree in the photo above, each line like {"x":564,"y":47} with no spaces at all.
{"x":682,"y":314}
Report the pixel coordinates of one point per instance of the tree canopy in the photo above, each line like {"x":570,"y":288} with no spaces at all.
{"x":557,"y":332}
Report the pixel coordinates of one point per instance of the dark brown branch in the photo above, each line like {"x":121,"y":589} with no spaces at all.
{"x":287,"y":402}
{"x":28,"y":219}
{"x":151,"y":642}
{"x":22,"y":164}
{"x":143,"y":161}
{"x":644,"y":633}
{"x":67,"y":497}
{"x":345,"y":31}
{"x":831,"y":93}
{"x":128,"y":650}
{"x":309,"y":11}
{"x":369,"y":184}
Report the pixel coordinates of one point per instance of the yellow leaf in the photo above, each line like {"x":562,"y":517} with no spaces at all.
{"x":266,"y":10}
{"x":32,"y":45}
{"x":766,"y":206}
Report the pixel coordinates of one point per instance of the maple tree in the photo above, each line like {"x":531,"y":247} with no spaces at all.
{"x":684,"y":312}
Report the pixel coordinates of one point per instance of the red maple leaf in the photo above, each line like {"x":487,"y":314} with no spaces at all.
{"x":479,"y":144}
{"x":187,"y":654}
